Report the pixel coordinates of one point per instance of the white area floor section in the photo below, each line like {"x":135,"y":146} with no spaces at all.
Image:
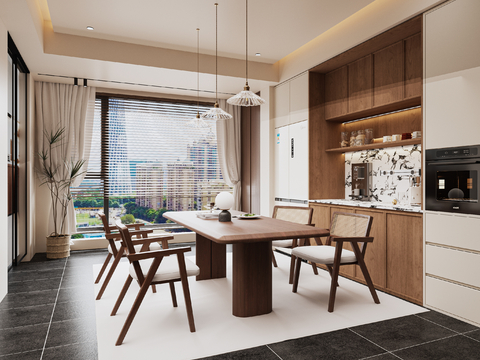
{"x":161,"y":331}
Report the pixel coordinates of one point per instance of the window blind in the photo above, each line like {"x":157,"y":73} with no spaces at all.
{"x":144,"y":151}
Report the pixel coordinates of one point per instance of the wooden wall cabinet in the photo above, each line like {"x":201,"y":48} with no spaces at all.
{"x":336,"y":94}
{"x":413,"y":66}
{"x":360,"y":84}
{"x":388,"y":75}
{"x":395,"y":257}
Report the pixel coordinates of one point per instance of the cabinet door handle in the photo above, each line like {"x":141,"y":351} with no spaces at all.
{"x":292,"y":155}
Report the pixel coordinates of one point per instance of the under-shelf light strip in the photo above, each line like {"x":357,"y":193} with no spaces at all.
{"x":388,"y":113}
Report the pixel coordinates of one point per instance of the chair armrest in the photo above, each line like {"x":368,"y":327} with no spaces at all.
{"x":115,"y":236}
{"x":136,"y":226}
{"x":157,"y":253}
{"x":351,"y":239}
{"x":140,"y":232}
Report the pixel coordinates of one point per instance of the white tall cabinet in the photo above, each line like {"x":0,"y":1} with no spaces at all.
{"x":291,"y":141}
{"x":451,"y":113}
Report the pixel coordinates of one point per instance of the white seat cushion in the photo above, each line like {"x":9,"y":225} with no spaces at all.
{"x":153,"y":246}
{"x":323,"y":254}
{"x":282,"y":243}
{"x":168,"y":269}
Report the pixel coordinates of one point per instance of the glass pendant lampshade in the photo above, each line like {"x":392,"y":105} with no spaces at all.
{"x":216,"y":113}
{"x":246,"y":97}
{"x":197,"y":121}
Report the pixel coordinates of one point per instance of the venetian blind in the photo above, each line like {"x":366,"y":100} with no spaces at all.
{"x":145,"y":149}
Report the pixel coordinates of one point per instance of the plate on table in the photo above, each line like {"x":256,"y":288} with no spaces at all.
{"x":249,"y":216}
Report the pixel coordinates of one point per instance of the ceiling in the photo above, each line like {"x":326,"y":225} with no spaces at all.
{"x":276,"y":27}
{"x":150,"y":45}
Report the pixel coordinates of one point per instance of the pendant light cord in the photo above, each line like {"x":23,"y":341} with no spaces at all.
{"x":246,"y":41}
{"x":198,"y":72}
{"x":216,"y":49}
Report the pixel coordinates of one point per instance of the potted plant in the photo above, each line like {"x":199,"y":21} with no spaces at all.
{"x":58,"y":174}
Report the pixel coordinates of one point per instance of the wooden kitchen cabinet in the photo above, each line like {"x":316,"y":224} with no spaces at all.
{"x":388,"y":75}
{"x":405,"y":256}
{"x":395,"y":257}
{"x":413,"y":66}
{"x":376,"y":255}
{"x":360,"y":84}
{"x":336,"y":94}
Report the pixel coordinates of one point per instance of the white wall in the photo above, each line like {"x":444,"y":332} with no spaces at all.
{"x":3,"y":169}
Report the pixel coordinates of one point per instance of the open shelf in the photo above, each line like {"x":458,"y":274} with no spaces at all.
{"x":376,"y":146}
{"x":399,"y":105}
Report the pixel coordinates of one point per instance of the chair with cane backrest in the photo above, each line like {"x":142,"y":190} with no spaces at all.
{"x":117,"y":251}
{"x":345,"y":227}
{"x":154,"y":267}
{"x":296,"y":214}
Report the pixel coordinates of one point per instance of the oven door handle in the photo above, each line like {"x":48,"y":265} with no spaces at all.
{"x":458,"y":162}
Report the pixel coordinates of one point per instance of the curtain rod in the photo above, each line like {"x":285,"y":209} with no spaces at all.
{"x":136,"y":84}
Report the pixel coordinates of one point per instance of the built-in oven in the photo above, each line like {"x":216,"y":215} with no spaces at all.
{"x":452,"y":179}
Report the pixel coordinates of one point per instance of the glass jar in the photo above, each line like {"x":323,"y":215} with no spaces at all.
{"x":360,"y":139}
{"x":353,"y":136}
{"x":368,"y":136}
{"x":344,"y":139}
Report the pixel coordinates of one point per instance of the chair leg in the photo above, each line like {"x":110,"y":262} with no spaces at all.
{"x":133,"y":312}
{"x":100,"y":274}
{"x":314,"y":267}
{"x":154,"y":289}
{"x":122,"y":295}
{"x":186,"y":291}
{"x":336,"y":268}
{"x":365,"y":272}
{"x":174,"y":295}
{"x":292,"y":269}
{"x":297,"y":275}
{"x":110,"y":273}
{"x":274,"y":261}
{"x":330,"y":270}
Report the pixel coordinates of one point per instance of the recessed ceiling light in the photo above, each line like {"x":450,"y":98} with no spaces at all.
{"x":89,"y":27}
{"x":258,"y":54}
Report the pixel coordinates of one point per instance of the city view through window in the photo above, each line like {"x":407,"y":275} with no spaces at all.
{"x":145,"y":160}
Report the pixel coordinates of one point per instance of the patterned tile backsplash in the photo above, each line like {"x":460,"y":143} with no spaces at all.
{"x":384,"y":186}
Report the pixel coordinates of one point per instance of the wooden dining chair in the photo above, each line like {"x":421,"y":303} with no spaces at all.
{"x":117,"y":251}
{"x":296,"y":214}
{"x":154,"y":267}
{"x":345,"y":227}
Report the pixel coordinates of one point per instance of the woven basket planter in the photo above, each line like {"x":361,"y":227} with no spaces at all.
{"x":58,"y":247}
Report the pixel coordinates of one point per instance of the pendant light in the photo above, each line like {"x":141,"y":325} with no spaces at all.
{"x":246,"y":97}
{"x":197,"y":121}
{"x":216,"y":113}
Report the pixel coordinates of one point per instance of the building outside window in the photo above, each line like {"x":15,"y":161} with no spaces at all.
{"x":145,"y":160}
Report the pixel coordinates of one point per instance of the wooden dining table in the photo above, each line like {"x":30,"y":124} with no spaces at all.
{"x":251,"y":241}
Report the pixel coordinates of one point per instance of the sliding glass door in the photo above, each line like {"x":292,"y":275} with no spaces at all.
{"x":17,"y":154}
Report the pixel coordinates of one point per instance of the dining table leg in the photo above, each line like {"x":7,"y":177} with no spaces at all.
{"x":252,"y":279}
{"x":211,"y":258}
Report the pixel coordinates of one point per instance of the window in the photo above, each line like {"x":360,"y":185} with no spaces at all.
{"x":145,"y":159}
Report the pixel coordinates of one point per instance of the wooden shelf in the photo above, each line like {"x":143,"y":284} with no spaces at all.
{"x":378,"y":110}
{"x":376,"y":146}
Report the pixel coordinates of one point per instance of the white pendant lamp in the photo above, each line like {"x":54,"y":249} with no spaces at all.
{"x":197,"y":121}
{"x":216,"y":113}
{"x":246,"y":97}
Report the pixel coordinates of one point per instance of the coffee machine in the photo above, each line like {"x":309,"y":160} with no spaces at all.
{"x":361,"y":181}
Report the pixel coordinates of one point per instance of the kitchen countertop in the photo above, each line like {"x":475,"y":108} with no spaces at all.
{"x":370,"y":204}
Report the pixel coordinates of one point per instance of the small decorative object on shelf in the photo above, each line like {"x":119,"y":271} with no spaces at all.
{"x":368,"y":136}
{"x":416,"y":134}
{"x":396,"y":137}
{"x":353,"y":137}
{"x":387,"y":138}
{"x":406,"y":136}
{"x":360,"y":139}
{"x":224,"y":202}
{"x":345,"y":141}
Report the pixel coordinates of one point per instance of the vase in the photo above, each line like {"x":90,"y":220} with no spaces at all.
{"x":58,"y":247}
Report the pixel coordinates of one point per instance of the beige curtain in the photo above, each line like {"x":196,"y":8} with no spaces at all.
{"x":229,"y":149}
{"x":71,"y":107}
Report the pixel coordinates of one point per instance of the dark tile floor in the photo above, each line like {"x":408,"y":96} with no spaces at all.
{"x":49,"y":313}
